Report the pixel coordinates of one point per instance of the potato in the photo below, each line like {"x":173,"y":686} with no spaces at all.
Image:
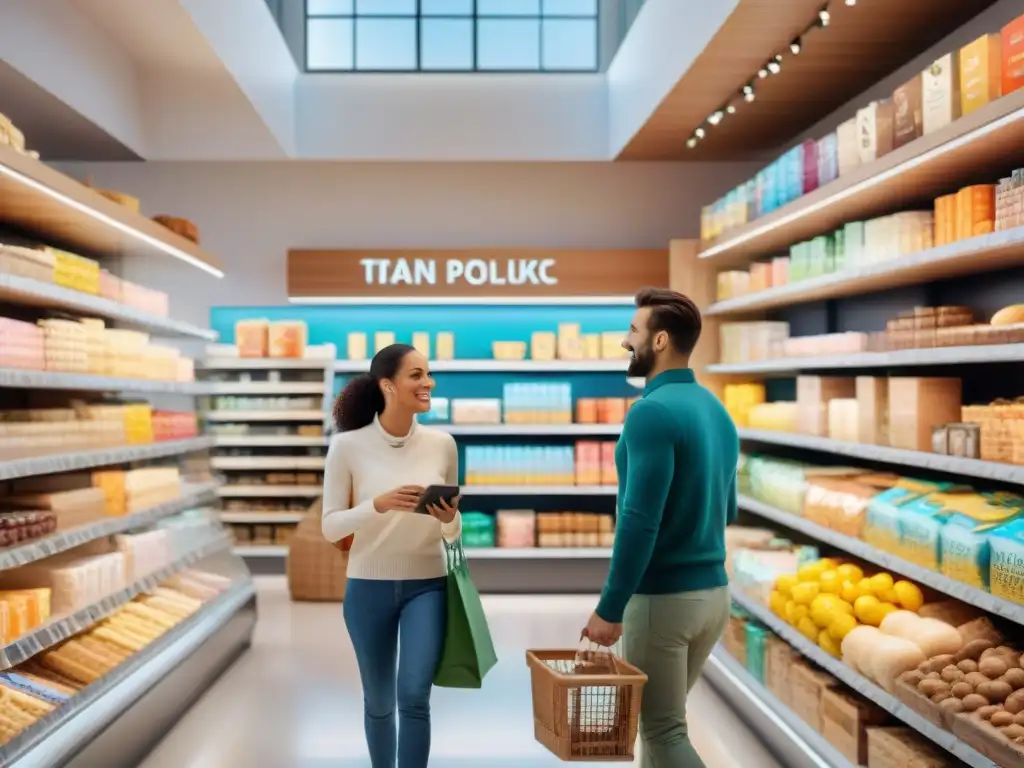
{"x":967,"y":666}
{"x":1002,"y":719}
{"x":1019,"y":718}
{"x":939,"y":663}
{"x":972,"y":650}
{"x":995,"y":692}
{"x":962,"y":689}
{"x":1014,"y":677}
{"x":993,"y":667}
{"x":938,"y":698}
{"x":913,"y":677}
{"x":976,"y":679}
{"x":952,"y":704}
{"x":987,"y":712}
{"x":932,"y":687}
{"x":924,"y":667}
{"x":974,"y":701}
{"x":1013,"y":731}
{"x":933,"y":676}
{"x":1015,"y":702}
{"x":952,"y":675}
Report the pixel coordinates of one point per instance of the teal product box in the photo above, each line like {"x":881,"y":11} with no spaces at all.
{"x":1006,"y":569}
{"x":853,"y":239}
{"x":439,"y":412}
{"x":838,"y":250}
{"x":882,"y":525}
{"x":478,"y":530}
{"x":756,"y":640}
{"x":965,"y":552}
{"x":920,"y":525}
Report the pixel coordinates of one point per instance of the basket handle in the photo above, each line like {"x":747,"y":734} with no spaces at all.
{"x":589,"y":651}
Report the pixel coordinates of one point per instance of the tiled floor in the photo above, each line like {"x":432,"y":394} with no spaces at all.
{"x":294,"y":700}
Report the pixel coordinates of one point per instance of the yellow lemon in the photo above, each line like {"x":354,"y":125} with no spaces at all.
{"x":830,"y":582}
{"x":864,"y":588}
{"x":844,"y":607}
{"x":804,"y":593}
{"x":866,"y":608}
{"x":841,"y":626}
{"x":808,"y":629}
{"x":777,"y":602}
{"x":881,"y":583}
{"x":889,"y":596}
{"x":794,"y":612}
{"x":829,"y":644}
{"x":908,"y":595}
{"x":850,"y":572}
{"x":785,"y":583}
{"x":809,"y":572}
{"x":883,"y":610}
{"x":828,"y":564}
{"x":849,"y":591}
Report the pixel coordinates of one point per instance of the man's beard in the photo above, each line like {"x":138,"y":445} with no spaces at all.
{"x":642,"y":363}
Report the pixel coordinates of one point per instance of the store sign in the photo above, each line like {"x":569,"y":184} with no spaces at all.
{"x":495,"y":273}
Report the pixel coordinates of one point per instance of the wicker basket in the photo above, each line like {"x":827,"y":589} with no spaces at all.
{"x":586,"y":707}
{"x":316,"y":568}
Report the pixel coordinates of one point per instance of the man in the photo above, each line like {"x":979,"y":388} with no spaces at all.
{"x":667,"y":591}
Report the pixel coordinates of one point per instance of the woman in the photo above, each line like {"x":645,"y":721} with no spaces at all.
{"x":377,"y":468}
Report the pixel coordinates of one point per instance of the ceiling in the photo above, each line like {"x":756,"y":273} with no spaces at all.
{"x":862,"y":45}
{"x":55,"y":130}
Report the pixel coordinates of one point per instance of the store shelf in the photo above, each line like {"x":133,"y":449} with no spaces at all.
{"x":63,"y":211}
{"x":78,"y":382}
{"x":270,"y":441}
{"x":269,"y":491}
{"x":33,"y":293}
{"x":270,"y":551}
{"x":862,"y":685}
{"x":539,"y":430}
{"x":986,"y":253}
{"x":936,"y":462}
{"x":265,"y":364}
{"x":192,"y":496}
{"x":963,"y":592}
{"x":778,"y":726}
{"x":240,"y":463}
{"x":262,"y":518}
{"x":71,"y":727}
{"x":61,"y":628}
{"x":243,"y":416}
{"x":977,"y":355}
{"x":261,"y":388}
{"x":503,"y":366}
{"x":539,"y":490}
{"x":985,"y":143}
{"x":538,"y":553}
{"x":69,"y":462}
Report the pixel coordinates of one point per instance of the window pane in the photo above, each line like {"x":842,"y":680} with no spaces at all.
{"x":446,"y":44}
{"x":330,"y":7}
{"x":508,"y":44}
{"x":386,"y":44}
{"x":570,"y":44}
{"x":446,"y":7}
{"x":508,"y":7}
{"x":570,"y":8}
{"x":386,"y":7}
{"x":329,"y":44}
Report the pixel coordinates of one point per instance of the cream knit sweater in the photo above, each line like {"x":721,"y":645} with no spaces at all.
{"x":363,"y":464}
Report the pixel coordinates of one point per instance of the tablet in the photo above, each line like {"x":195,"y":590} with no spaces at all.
{"x":434,"y":494}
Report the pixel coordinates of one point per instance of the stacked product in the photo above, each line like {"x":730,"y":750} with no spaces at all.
{"x":262,"y":338}
{"x":588,"y":463}
{"x":235,"y":403}
{"x":51,"y":679}
{"x":260,"y":535}
{"x":955,"y":85}
{"x":527,"y":529}
{"x":272,"y":479}
{"x":530,"y":403}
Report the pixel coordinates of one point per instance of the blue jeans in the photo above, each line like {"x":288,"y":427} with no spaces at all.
{"x":397,"y":625}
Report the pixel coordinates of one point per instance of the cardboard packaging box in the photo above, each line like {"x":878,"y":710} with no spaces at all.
{"x":445,"y":346}
{"x":421,"y":343}
{"x":1013,"y":56}
{"x":981,"y":76}
{"x":875,"y":130}
{"x":779,"y":660}
{"x":872,"y":410}
{"x":940,"y":93}
{"x":917,"y":405}
{"x":902,"y":748}
{"x":845,"y":719}
{"x":382,"y":339}
{"x":357,"y":346}
{"x":807,"y":685}
{"x":543,"y":346}
{"x":813,"y":394}
{"x":908,"y":117}
{"x":735,"y":639}
{"x":846,"y":146}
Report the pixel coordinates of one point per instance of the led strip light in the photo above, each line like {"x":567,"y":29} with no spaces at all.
{"x":170,"y":250}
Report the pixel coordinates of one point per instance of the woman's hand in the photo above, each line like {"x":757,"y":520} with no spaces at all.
{"x":444,"y":511}
{"x":404,"y":498}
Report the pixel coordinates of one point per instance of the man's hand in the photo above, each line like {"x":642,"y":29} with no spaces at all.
{"x":602,"y":632}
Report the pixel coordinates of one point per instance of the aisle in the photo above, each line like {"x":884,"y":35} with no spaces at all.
{"x":294,"y":699}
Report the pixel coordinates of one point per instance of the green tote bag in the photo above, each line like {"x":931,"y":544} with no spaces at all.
{"x":468,"y":652}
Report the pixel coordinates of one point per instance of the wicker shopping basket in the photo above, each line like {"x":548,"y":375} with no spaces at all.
{"x":316,"y":568}
{"x":586,"y":706}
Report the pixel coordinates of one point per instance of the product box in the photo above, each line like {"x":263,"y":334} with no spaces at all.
{"x":908,"y":118}
{"x":382,"y":339}
{"x":902,"y":748}
{"x":807,"y":685}
{"x":543,"y":346}
{"x":875,"y":130}
{"x":813,"y":394}
{"x":780,"y":657}
{"x":421,"y":343}
{"x":1013,"y":56}
{"x":609,"y":472}
{"x":917,"y":406}
{"x":735,"y":639}
{"x":845,"y":719}
{"x":445,"y":345}
{"x":940,"y":93}
{"x":981,"y":77}
{"x":357,"y":346}
{"x":848,"y":156}
{"x":872,"y":394}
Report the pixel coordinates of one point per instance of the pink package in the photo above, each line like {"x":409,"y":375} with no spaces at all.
{"x":780,"y":270}
{"x":811,"y":180}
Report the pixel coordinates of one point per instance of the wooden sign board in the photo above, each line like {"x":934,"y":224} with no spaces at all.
{"x":494,"y":273}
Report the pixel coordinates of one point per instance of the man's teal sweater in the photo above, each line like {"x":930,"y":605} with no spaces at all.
{"x":676,"y":461}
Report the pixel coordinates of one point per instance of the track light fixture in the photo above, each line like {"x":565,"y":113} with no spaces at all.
{"x":851,"y":3}
{"x":796,"y":46}
{"x":824,"y":17}
{"x":731,"y":109}
{"x":762,"y":72}
{"x":691,"y":142}
{"x":699,"y":133}
{"x":774,"y":67}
